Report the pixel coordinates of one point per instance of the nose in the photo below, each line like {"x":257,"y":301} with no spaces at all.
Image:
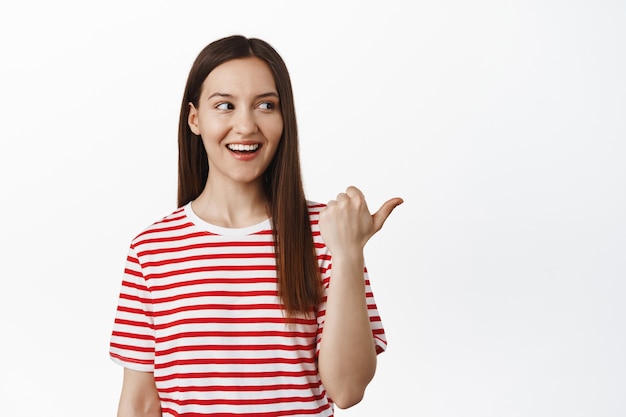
{"x":244,"y":123}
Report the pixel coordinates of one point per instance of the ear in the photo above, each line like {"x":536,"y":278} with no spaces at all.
{"x":192,"y":119}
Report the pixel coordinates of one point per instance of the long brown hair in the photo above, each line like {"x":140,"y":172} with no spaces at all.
{"x":299,"y":284}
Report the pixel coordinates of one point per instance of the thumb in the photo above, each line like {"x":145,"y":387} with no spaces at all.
{"x":384,"y":211}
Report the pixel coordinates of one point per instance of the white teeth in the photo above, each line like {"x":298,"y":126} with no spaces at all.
{"x":243,"y":148}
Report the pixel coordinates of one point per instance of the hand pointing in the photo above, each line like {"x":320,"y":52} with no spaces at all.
{"x":346,"y":223}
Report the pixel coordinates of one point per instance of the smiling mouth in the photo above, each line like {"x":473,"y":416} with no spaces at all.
{"x":241,"y":148}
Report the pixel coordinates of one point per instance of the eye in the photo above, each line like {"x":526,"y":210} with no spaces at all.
{"x":224,"y":106}
{"x":266,"y":105}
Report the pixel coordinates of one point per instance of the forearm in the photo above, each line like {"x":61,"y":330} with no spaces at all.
{"x":139,"y":397}
{"x":139,"y":410}
{"x":127,"y":410}
{"x":347,"y":358}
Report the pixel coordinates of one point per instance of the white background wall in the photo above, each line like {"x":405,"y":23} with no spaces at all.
{"x":501,"y":280}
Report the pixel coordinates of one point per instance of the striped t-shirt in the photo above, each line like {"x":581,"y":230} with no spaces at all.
{"x":199,"y":307}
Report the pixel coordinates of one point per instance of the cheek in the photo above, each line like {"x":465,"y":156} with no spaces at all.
{"x":277,"y":134}
{"x":275,"y":130}
{"x":213,"y":131}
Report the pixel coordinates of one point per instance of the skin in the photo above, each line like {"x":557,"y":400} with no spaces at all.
{"x":347,"y":358}
{"x":139,"y":397}
{"x":239,"y":105}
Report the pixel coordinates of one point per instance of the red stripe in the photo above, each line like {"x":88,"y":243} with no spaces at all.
{"x":243,"y":375}
{"x":229,"y":268}
{"x":218,"y":307}
{"x":173,"y":217}
{"x":260,"y":334}
{"x":244,"y":402}
{"x":133,"y":335}
{"x":251,"y":388}
{"x":265,"y":293}
{"x":131,"y":297}
{"x":174,"y":238}
{"x":234,"y":361}
{"x":166,"y":229}
{"x":211,"y":306}
{"x":220,"y":256}
{"x":133,"y":273}
{"x":132,"y":348}
{"x":291,"y":412}
{"x":195,"y":246}
{"x":217,"y":280}
{"x":132,"y":360}
{"x":131,"y":310}
{"x":196,"y":348}
{"x":204,"y":245}
{"x":133,"y":323}
{"x":235,"y":320}
{"x":129,"y":284}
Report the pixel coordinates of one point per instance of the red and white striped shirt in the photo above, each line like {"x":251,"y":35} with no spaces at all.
{"x":199,"y":307}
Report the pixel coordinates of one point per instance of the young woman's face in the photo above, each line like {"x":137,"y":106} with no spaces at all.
{"x":239,"y":119}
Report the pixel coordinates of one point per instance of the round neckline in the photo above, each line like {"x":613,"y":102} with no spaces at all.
{"x":225,"y":231}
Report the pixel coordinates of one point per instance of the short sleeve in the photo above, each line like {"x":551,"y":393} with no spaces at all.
{"x":132,"y":340}
{"x":378,"y":332}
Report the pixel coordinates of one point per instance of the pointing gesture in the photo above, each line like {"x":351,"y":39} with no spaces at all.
{"x":346,"y":223}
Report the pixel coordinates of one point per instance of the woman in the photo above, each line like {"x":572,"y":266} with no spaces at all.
{"x":248,"y":299}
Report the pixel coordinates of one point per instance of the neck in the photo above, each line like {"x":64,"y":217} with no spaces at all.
{"x":232,"y":205}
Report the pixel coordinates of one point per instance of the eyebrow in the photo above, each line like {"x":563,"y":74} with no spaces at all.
{"x":218,"y":94}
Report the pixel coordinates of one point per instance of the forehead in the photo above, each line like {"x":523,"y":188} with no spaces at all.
{"x":240,"y":76}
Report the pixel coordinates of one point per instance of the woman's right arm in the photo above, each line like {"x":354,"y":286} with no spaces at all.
{"x":139,"y":397}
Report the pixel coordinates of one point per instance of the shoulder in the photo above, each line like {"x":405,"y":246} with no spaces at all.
{"x":175,"y":220}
